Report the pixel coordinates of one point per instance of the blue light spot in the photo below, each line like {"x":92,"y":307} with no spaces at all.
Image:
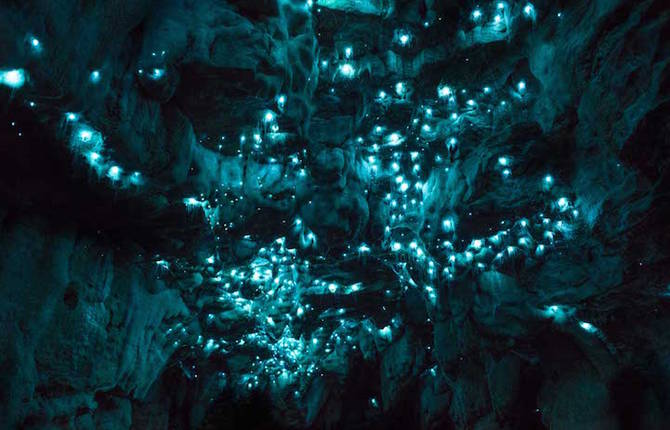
{"x":85,"y":135}
{"x":136,"y":178}
{"x":114,"y":173}
{"x":443,"y":91}
{"x":35,"y":44}
{"x":587,"y":327}
{"x":93,"y":157}
{"x":157,"y":74}
{"x":347,"y":70}
{"x":529,"y":11}
{"x":14,"y":78}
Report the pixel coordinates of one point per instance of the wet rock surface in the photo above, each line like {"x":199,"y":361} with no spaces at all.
{"x":334,"y":214}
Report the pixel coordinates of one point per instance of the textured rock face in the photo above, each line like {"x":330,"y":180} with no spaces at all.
{"x":334,"y":214}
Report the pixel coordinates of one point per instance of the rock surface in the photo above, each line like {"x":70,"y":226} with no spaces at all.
{"x":334,"y":214}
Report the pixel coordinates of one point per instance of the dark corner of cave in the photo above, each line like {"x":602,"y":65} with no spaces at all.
{"x":335,"y":214}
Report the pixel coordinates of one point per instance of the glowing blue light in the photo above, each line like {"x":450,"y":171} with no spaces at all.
{"x":547,"y":182}
{"x":192,"y":202}
{"x":93,"y":157}
{"x":503,"y":161}
{"x":521,"y":86}
{"x":70,"y":116}
{"x":448,"y":224}
{"x":385,"y":333}
{"x":34,"y":44}
{"x":382,"y":94}
{"x":14,"y":78}
{"x":269,"y":116}
{"x":394,"y":139}
{"x":402,"y":37}
{"x":363,"y":248}
{"x":497,"y":19}
{"x":506,"y":172}
{"x":501,"y":5}
{"x":348,"y":52}
{"x":347,"y":70}
{"x":85,"y":135}
{"x":332,"y":287}
{"x":136,"y":178}
{"x":400,"y":88}
{"x":210,"y":259}
{"x":476,"y":14}
{"x":587,"y":327}
{"x":529,"y":10}
{"x":157,"y":74}
{"x":558,"y":313}
{"x":95,"y":77}
{"x":487,"y":90}
{"x":562,"y":203}
{"x":443,"y":91}
{"x":114,"y":173}
{"x":395,"y":246}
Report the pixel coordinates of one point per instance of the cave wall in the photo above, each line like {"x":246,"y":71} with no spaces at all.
{"x":346,"y":214}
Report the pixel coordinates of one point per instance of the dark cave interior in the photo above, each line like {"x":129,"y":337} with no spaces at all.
{"x":334,"y":214}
